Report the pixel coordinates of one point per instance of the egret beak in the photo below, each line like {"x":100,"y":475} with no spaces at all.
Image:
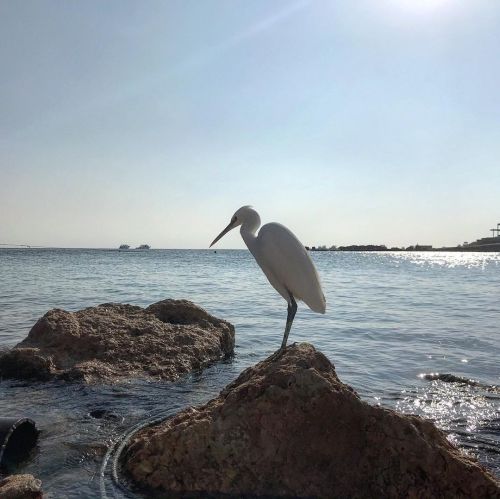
{"x":231,"y":225}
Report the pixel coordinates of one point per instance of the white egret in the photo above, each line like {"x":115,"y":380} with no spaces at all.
{"x":284,"y":261}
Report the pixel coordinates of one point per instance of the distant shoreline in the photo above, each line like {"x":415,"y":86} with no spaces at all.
{"x":349,"y":249}
{"x":402,"y":250}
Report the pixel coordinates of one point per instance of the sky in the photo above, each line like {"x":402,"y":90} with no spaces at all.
{"x":350,"y":122}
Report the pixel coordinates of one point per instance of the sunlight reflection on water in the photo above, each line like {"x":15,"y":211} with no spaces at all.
{"x":390,"y":317}
{"x":451,"y":259}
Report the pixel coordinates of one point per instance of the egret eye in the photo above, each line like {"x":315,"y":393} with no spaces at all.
{"x":233,"y":219}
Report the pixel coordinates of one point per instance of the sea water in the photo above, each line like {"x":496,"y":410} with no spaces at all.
{"x":392,"y":318}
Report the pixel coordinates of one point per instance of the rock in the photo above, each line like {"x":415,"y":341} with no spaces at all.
{"x":20,"y":487}
{"x":26,"y":363}
{"x":112,"y":341}
{"x":291,"y":428}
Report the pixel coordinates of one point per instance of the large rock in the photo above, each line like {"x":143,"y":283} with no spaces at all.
{"x":21,"y":487}
{"x":114,"y":341}
{"x":290,"y":428}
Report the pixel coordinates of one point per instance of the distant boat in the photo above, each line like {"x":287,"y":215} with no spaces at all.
{"x":144,"y":246}
{"x":124,"y":246}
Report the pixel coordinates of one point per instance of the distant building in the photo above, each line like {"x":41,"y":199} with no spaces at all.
{"x":486,"y":240}
{"x":484,"y":244}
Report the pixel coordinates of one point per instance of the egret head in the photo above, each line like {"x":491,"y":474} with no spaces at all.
{"x":244,"y":215}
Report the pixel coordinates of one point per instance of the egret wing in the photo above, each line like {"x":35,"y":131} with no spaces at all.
{"x":288,"y":266}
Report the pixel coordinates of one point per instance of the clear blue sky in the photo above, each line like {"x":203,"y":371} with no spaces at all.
{"x":152,"y":122}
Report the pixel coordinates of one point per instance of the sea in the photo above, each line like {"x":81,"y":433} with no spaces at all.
{"x":418,"y":332}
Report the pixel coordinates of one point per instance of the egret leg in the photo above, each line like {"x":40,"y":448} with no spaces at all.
{"x":292,"y":309}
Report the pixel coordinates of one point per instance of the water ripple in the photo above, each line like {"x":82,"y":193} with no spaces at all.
{"x":390,"y":317}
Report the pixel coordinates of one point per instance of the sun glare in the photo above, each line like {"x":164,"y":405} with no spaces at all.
{"x":420,"y":6}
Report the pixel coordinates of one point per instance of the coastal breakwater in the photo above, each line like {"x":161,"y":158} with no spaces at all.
{"x":285,"y":427}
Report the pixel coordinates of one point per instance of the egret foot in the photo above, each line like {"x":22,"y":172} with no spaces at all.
{"x":276,"y":355}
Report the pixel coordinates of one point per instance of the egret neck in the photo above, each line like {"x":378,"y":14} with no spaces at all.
{"x":249,"y":227}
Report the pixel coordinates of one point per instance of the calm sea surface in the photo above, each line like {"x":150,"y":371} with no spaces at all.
{"x":391,"y":318}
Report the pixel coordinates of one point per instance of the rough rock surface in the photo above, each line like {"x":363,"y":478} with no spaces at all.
{"x":113,"y":341}
{"x":20,"y":487}
{"x":290,"y":428}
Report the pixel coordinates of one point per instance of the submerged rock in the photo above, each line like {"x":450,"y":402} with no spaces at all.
{"x":113,"y":341}
{"x":291,"y":428}
{"x":20,"y":487}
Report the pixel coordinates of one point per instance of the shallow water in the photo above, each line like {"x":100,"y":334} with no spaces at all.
{"x":390,"y":318}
